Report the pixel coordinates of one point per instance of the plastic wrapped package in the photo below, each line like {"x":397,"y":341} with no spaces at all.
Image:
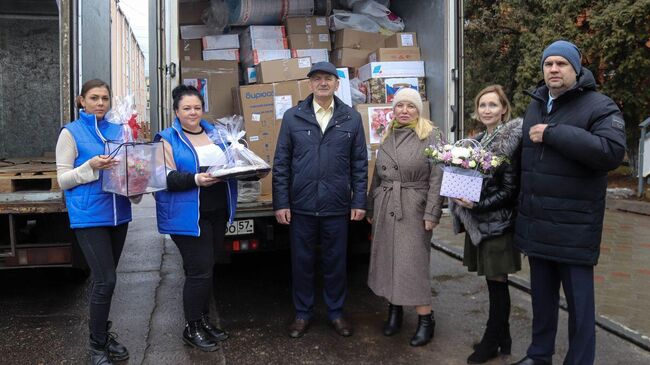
{"x":241,"y":163}
{"x":343,"y":20}
{"x":216,"y":16}
{"x":248,"y":191}
{"x":358,"y":91}
{"x":379,"y":13}
{"x":140,"y":166}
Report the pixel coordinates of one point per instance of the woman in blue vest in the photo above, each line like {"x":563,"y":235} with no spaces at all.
{"x":194,"y":210}
{"x":99,"y":220}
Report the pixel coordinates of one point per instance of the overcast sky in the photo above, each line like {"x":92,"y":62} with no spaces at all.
{"x":136,"y":12}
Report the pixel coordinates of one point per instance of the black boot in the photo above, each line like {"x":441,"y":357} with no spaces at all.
{"x":497,"y":333}
{"x":216,"y":333}
{"x":116,"y":350}
{"x":394,"y":322}
{"x":195,"y":336}
{"x":98,"y":353}
{"x":424,"y":332}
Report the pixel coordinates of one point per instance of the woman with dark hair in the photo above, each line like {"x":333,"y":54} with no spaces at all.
{"x":194,"y":210}
{"x":489,"y":223}
{"x":99,"y":220}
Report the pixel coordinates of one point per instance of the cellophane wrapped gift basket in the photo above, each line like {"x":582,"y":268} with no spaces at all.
{"x":140,"y":165}
{"x":465,"y":164}
{"x":240,"y":162}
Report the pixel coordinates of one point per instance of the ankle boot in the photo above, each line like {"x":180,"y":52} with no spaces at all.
{"x":195,"y":336}
{"x":216,"y":333}
{"x":116,"y":350}
{"x":424,"y":332}
{"x":394,"y":322}
{"x":98,"y":353}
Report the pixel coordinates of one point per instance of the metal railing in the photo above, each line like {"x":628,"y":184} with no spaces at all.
{"x":642,"y":139}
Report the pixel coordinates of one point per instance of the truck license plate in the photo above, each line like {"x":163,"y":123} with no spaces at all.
{"x":244,"y":226}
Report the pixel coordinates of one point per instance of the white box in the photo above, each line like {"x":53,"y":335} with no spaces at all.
{"x":250,"y":75}
{"x":343,"y":91}
{"x":251,"y":57}
{"x":391,"y":69}
{"x":221,"y":54}
{"x":316,"y":54}
{"x":194,"y":31}
{"x":221,"y":41}
{"x":264,"y":31}
{"x":461,"y":183}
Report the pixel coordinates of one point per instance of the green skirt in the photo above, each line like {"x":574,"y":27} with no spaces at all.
{"x":493,"y":257}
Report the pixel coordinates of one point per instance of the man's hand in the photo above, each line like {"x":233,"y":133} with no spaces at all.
{"x":357,"y":214}
{"x":429,"y":225}
{"x":204,"y":179}
{"x":536,"y":133}
{"x":283,"y":216}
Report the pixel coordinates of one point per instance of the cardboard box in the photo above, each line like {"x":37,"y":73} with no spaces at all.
{"x":264,"y":32}
{"x":395,"y":54}
{"x":321,"y":40}
{"x":383,"y":90}
{"x":401,"y":40}
{"x":349,"y":57}
{"x":221,"y":54}
{"x":251,"y":57}
{"x":306,"y":25}
{"x":265,"y":43}
{"x":372,"y":159}
{"x":316,"y":55}
{"x":195,"y":31}
{"x":391,"y":69}
{"x":350,"y":38}
{"x":376,"y":118}
{"x":191,"y":12}
{"x":214,"y":79}
{"x":190,"y":50}
{"x":343,"y":91}
{"x":283,"y":70}
{"x":220,"y":41}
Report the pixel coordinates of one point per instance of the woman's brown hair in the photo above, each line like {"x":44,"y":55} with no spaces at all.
{"x":497,"y":89}
{"x":89,"y":85}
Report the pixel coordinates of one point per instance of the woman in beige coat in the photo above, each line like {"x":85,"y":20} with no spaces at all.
{"x":405,"y":205}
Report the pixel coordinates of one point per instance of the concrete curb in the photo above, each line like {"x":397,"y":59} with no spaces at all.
{"x":605,"y":323}
{"x":626,"y":205}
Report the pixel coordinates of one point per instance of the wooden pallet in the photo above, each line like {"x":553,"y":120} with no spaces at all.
{"x":28,"y":175}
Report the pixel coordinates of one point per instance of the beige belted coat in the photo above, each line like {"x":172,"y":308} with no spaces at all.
{"x":405,"y":190}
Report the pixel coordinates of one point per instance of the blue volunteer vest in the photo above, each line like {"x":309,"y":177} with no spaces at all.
{"x":178,"y":212}
{"x":88,"y":205}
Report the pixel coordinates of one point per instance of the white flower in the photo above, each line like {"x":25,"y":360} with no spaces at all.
{"x":447,"y":147}
{"x":460,"y":152}
{"x":472,"y":164}
{"x":495,"y":162}
{"x":456,"y":161}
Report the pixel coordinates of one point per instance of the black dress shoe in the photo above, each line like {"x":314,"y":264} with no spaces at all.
{"x":216,"y":333}
{"x":298,"y":327}
{"x":342,"y":327}
{"x":98,"y":353}
{"x":116,"y":350}
{"x":195,"y":336}
{"x":528,"y":361}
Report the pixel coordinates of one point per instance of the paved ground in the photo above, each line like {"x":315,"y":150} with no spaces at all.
{"x":621,"y":277}
{"x":43,"y":317}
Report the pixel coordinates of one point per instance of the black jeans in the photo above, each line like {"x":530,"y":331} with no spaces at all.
{"x":102,"y":247}
{"x":198,"y":261}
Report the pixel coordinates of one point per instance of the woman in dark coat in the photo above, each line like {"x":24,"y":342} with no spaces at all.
{"x":489,"y":247}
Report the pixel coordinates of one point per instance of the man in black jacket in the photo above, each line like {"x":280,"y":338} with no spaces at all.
{"x":572,"y":135}
{"x":320,"y":177}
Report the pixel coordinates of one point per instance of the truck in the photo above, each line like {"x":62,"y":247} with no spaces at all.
{"x":438,"y":24}
{"x":47,"y":48}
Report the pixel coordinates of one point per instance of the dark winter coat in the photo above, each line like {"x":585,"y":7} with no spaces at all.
{"x":316,"y":173}
{"x":564,"y":179}
{"x":495,"y":214}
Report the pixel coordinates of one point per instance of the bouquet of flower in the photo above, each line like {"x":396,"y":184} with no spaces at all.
{"x":140,"y":165}
{"x":466,"y":163}
{"x":240,"y":162}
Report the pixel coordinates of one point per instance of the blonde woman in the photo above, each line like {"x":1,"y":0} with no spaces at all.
{"x":405,"y":205}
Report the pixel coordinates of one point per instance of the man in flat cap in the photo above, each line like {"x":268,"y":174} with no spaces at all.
{"x":572,"y":136}
{"x":320,"y":174}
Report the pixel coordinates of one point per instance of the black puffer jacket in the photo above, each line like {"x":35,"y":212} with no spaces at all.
{"x":564,"y":179}
{"x":321,"y":174}
{"x":495,"y":213}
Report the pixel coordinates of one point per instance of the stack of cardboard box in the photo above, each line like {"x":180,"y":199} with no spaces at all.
{"x":262,"y":43}
{"x":309,"y":37}
{"x":222,"y":47}
{"x":352,"y":47}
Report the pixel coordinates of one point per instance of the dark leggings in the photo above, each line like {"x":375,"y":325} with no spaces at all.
{"x":198,"y":261}
{"x":102,"y":247}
